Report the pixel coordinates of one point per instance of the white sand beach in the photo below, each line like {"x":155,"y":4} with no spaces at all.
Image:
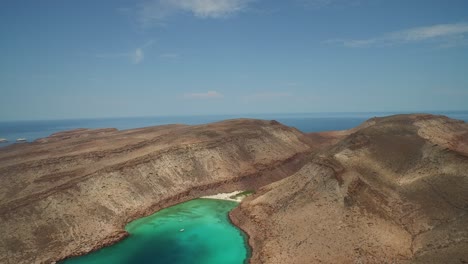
{"x":227,"y":196}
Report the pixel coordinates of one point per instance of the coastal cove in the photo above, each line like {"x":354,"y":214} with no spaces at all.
{"x":197,"y":231}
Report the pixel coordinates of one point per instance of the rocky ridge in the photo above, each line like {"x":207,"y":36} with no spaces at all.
{"x":74,"y":191}
{"x":394,"y":190}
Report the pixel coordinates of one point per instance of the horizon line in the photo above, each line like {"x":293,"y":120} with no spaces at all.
{"x":234,"y":114}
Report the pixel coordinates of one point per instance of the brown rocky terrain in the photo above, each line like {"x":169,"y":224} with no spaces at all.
{"x":393,"y":190}
{"x":74,"y":191}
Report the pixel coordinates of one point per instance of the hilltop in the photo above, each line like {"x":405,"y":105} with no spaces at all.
{"x":392,"y":190}
{"x":74,"y":191}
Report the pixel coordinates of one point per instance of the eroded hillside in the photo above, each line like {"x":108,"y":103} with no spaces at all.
{"x":393,"y":190}
{"x":74,"y":191}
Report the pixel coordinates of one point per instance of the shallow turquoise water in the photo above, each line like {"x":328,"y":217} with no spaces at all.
{"x":208,"y":237}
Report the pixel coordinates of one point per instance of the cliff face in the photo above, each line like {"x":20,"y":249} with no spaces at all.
{"x":394,"y":189}
{"x":74,"y":191}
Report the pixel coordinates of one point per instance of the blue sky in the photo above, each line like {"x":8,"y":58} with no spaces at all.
{"x":111,"y":58}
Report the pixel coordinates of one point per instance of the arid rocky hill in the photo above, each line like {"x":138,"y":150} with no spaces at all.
{"x":74,"y":191}
{"x":393,"y":190}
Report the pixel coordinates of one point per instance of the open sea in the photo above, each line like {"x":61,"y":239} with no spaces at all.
{"x":307,"y":122}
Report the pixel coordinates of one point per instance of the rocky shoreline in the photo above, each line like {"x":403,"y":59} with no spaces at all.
{"x":74,"y":192}
{"x":392,"y":189}
{"x":255,"y":181}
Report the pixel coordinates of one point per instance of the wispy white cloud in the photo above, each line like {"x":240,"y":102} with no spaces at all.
{"x":446,"y":35}
{"x":325,"y":3}
{"x":136,"y":56}
{"x":156,"y":11}
{"x":205,"y":95}
{"x":316,"y":3}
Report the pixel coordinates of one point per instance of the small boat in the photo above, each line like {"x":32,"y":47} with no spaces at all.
{"x":3,"y":140}
{"x":21,"y":140}
{"x":182,"y":230}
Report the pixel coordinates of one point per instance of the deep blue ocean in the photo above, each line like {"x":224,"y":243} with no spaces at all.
{"x":307,"y":122}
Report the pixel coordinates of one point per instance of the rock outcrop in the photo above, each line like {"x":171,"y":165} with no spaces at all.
{"x":393,"y":190}
{"x":74,"y":191}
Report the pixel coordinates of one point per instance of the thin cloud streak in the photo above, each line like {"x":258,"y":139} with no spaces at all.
{"x":447,"y":35}
{"x":136,"y":56}
{"x":316,"y":4}
{"x":205,"y":95}
{"x":155,"y":12}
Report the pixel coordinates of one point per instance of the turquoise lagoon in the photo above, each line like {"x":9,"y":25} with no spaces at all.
{"x":197,"y":231}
